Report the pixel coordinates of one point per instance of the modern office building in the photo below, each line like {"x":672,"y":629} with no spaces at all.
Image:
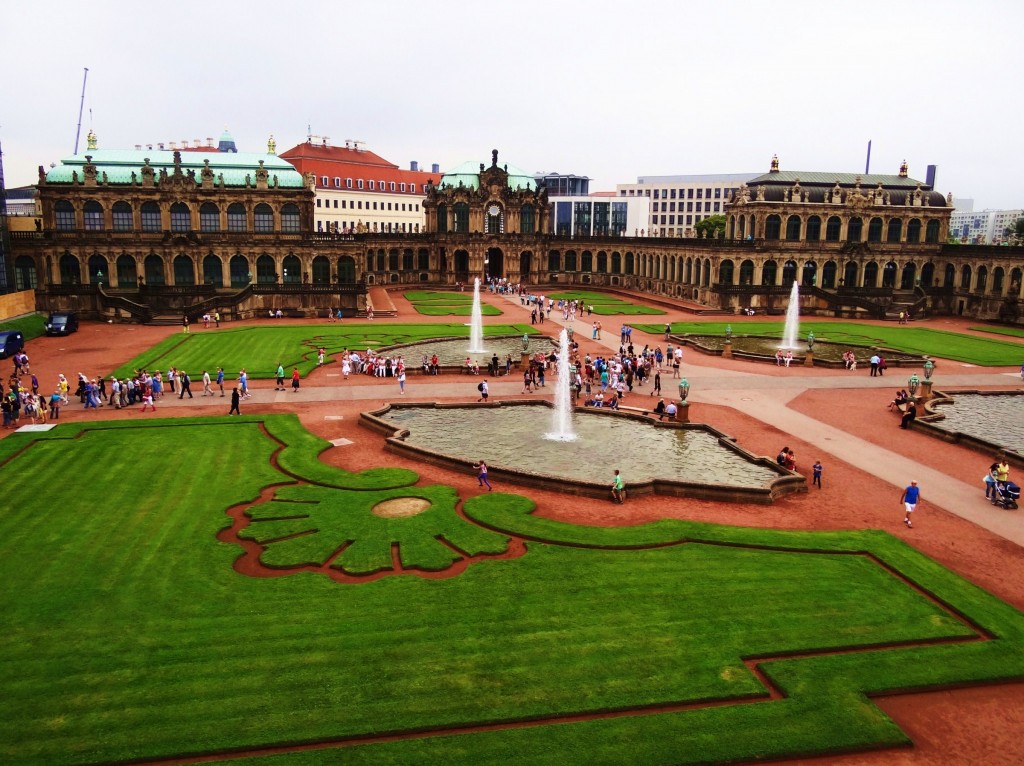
{"x":359,"y":191}
{"x":601,"y":214}
{"x":563,"y":185}
{"x":987,"y":227}
{"x":678,"y":203}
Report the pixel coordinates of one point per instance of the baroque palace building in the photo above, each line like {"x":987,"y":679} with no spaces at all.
{"x":151,"y":235}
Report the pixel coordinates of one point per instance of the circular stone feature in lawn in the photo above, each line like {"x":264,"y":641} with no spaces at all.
{"x":400,"y":507}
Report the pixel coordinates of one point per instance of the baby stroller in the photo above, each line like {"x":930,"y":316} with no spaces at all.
{"x":1005,"y":494}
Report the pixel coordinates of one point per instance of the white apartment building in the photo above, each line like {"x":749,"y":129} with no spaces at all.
{"x":678,"y":203}
{"x":985,"y":227}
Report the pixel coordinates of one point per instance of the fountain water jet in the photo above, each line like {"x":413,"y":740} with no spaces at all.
{"x":561,"y":419}
{"x":476,"y":325}
{"x":791,"y":331}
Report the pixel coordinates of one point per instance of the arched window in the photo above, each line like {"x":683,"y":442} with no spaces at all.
{"x":213,"y":271}
{"x":93,"y":215}
{"x":707,"y":272}
{"x":209,"y":217}
{"x":855,"y":230}
{"x":828,"y":275}
{"x":793,"y":228}
{"x":184,"y":271}
{"x":928,"y":275}
{"x":181,"y":217}
{"x":554,"y":262}
{"x":895,"y":230}
{"x":725,"y":272}
{"x":732,"y":227}
{"x":810,"y":274}
{"x":321,"y":270}
{"x":907,"y":278}
{"x":423,"y":259}
{"x":772,"y":227}
{"x":25,"y":273}
{"x":70,"y":270}
{"x":630,"y":269}
{"x":461,"y":222}
{"x":263,"y":221}
{"x":850,"y":274}
{"x":997,"y":280}
{"x":122,"y":216}
{"x":570,"y":261}
{"x":833,"y":228}
{"x":64,"y":215}
{"x":407,"y":260}
{"x":965,"y":277}
{"x":602,"y":262}
{"x":290,"y":219}
{"x":813,"y":228}
{"x":127,"y":273}
{"x":616,"y":263}
{"x":931,"y":234}
{"x":527,"y":220}
{"x":769,"y":273}
{"x":950,"y":275}
{"x":1015,"y":279}
{"x":98,"y":270}
{"x":381,"y":259}
{"x":696,"y":271}
{"x":494,"y":221}
{"x":266,"y":270}
{"x":291,"y":270}
{"x":150,"y":217}
{"x":237,"y":222}
{"x":982,"y":283}
{"x":346,"y":270}
{"x":889,"y":274}
{"x":587,"y":262}
{"x":914,"y":230}
{"x":239,"y":270}
{"x":747,"y":272}
{"x":688,"y":278}
{"x":442,"y":219}
{"x":789,"y":271}
{"x":743,"y":226}
{"x":393,"y":260}
{"x":154,"y":268}
{"x":871,"y":274}
{"x":875,"y":230}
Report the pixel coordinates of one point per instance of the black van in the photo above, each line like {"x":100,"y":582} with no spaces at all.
{"x":11,"y":342}
{"x":62,"y":323}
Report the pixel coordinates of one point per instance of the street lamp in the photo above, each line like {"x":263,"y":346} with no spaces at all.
{"x":929,"y":368}
{"x":99,"y":278}
{"x":913,"y":384}
{"x":810,"y":341}
{"x":728,"y":333}
{"x":684,"y":389}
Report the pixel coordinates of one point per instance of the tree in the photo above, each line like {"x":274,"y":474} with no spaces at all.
{"x":711,"y":227}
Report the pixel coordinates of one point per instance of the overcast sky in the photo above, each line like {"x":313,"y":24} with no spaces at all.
{"x":608,"y":89}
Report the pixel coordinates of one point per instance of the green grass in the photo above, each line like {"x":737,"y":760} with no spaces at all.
{"x":260,"y":349}
{"x":1015,"y":332}
{"x":604,"y":304}
{"x":430,"y":296}
{"x":985,"y":352}
{"x":130,"y":636}
{"x":31,"y":326}
{"x":447,"y":304}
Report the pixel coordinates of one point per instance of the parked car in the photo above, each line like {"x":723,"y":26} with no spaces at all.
{"x":11,"y":342}
{"x":62,"y":323}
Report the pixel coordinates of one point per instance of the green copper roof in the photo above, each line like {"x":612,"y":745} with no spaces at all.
{"x":119,"y":164}
{"x":468,"y":173}
{"x":844,"y":179}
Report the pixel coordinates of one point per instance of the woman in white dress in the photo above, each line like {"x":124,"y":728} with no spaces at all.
{"x":346,"y":367}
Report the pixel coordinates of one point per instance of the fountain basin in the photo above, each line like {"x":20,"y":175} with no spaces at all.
{"x":451,"y":352}
{"x":826,"y":353}
{"x":673,"y":459}
{"x":990,"y":422}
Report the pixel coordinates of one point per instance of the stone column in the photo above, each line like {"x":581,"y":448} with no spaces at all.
{"x":683,"y":412}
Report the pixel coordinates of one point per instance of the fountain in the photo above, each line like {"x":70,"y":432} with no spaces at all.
{"x":561,"y":419}
{"x":476,"y":326}
{"x":792,"y":329}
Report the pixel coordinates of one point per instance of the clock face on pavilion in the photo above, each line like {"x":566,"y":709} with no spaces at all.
{"x":493,"y":210}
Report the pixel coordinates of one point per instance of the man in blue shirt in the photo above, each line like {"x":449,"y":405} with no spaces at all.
{"x":910,"y":498}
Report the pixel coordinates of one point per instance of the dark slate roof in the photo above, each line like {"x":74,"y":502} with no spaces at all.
{"x":819,"y":194}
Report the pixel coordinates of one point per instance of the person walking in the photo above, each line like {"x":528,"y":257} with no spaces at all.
{"x":481,"y":475}
{"x":482,"y":388}
{"x":875,"y":359}
{"x":235,"y":396}
{"x":910,"y":498}
{"x":618,"y":488}
{"x":184,"y":324}
{"x":401,"y":381}
{"x":186,"y":385}
{"x":295,"y":379}
{"x":279,"y":384}
{"x":220,"y":380}
{"x":207,"y":388}
{"x":816,"y":470}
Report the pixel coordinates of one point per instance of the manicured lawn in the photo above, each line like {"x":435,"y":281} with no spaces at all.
{"x":31,"y":326}
{"x":431,"y":303}
{"x":985,"y":352}
{"x":129,"y":635}
{"x":260,"y":349}
{"x":1015,"y":332}
{"x":605,"y":304}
